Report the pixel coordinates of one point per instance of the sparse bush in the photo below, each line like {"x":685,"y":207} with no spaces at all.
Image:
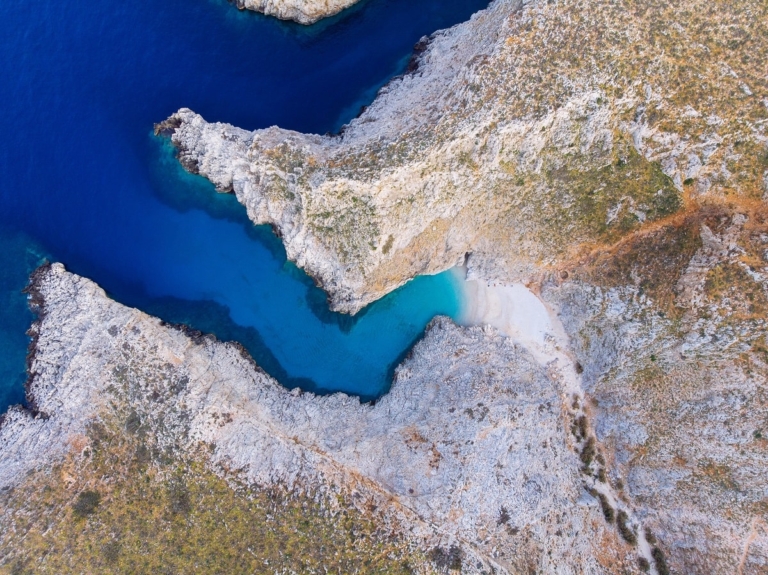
{"x":447,"y":559}
{"x":133,"y":423}
{"x":608,"y":511}
{"x":86,"y":504}
{"x":388,"y":245}
{"x":582,"y":424}
{"x":588,"y":452}
{"x":624,"y":529}
{"x":503,"y":516}
{"x":178,"y":498}
{"x":660,"y":561}
{"x":579,"y":428}
{"x":600,"y":459}
{"x":642,"y":562}
{"x":111,"y":552}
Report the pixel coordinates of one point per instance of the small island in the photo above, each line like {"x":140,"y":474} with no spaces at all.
{"x":301,"y":11}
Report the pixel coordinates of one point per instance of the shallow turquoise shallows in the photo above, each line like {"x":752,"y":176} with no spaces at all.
{"x":84,"y":181}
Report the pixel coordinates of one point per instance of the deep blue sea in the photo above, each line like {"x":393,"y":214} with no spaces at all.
{"x":84,"y":181}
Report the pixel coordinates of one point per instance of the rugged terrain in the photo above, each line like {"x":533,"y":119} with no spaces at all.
{"x":613,"y":157}
{"x":507,"y":140}
{"x":302,"y":11}
{"x":467,"y":456}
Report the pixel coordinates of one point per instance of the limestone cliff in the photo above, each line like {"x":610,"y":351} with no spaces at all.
{"x":467,"y":455}
{"x":612,"y":156}
{"x":527,"y":136}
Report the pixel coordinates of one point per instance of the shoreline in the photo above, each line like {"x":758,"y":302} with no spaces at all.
{"x":512,"y":309}
{"x":528,"y":321}
{"x":521,"y":315}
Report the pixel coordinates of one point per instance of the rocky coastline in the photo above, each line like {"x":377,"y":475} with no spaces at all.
{"x":469,"y":408}
{"x":609,"y":414}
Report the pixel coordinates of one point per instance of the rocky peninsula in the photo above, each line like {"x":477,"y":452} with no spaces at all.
{"x":602,"y":170}
{"x":504,"y":141}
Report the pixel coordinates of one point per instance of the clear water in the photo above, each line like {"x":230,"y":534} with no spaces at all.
{"x":84,"y":181}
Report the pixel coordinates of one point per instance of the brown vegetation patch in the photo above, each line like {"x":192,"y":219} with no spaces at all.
{"x":125,"y":512}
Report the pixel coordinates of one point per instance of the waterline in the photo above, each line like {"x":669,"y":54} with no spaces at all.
{"x":82,"y":181}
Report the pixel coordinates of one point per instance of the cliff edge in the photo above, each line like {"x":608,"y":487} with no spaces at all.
{"x":507,"y":140}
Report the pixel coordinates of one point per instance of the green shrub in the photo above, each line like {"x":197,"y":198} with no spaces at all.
{"x":86,"y":504}
{"x":447,"y":559}
{"x":608,"y":511}
{"x":624,"y":529}
{"x":588,"y":452}
{"x":660,"y":561}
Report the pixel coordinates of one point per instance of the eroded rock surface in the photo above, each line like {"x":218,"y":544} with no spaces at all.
{"x":611,"y":156}
{"x":511,"y":140}
{"x":469,"y":449}
{"x":670,"y":330}
{"x":302,"y":11}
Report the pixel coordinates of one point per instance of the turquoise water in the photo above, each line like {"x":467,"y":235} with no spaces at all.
{"x":19,"y":256}
{"x":84,"y":182}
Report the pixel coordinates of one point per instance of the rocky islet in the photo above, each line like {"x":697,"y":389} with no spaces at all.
{"x":302,"y":11}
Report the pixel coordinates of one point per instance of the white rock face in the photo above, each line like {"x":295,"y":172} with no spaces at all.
{"x":302,"y":11}
{"x":557,"y":167}
{"x":501,"y":140}
{"x":679,"y":403}
{"x":468,"y":448}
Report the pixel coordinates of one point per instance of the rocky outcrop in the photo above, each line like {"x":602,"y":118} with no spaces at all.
{"x":624,"y":184}
{"x":612,"y":157}
{"x":486,"y":451}
{"x":509,"y":142}
{"x":670,"y":332}
{"x":301,"y":11}
{"x":468,"y":450}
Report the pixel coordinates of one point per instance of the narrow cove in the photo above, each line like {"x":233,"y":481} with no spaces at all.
{"x":85,"y":183}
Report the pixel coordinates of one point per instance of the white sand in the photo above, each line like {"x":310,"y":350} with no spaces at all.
{"x":522,"y":316}
{"x":512,"y":309}
{"x":519,"y":314}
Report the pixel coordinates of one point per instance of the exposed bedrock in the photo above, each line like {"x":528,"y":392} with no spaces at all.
{"x":614,"y":158}
{"x":669,"y":330}
{"x":512,"y":142}
{"x":610,"y":156}
{"x":301,"y":11}
{"x":469,"y":449}
{"x":626,"y":430}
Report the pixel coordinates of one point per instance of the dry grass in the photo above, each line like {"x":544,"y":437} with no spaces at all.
{"x":118,"y":510}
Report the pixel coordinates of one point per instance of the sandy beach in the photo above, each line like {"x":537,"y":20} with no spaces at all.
{"x":522,"y":316}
